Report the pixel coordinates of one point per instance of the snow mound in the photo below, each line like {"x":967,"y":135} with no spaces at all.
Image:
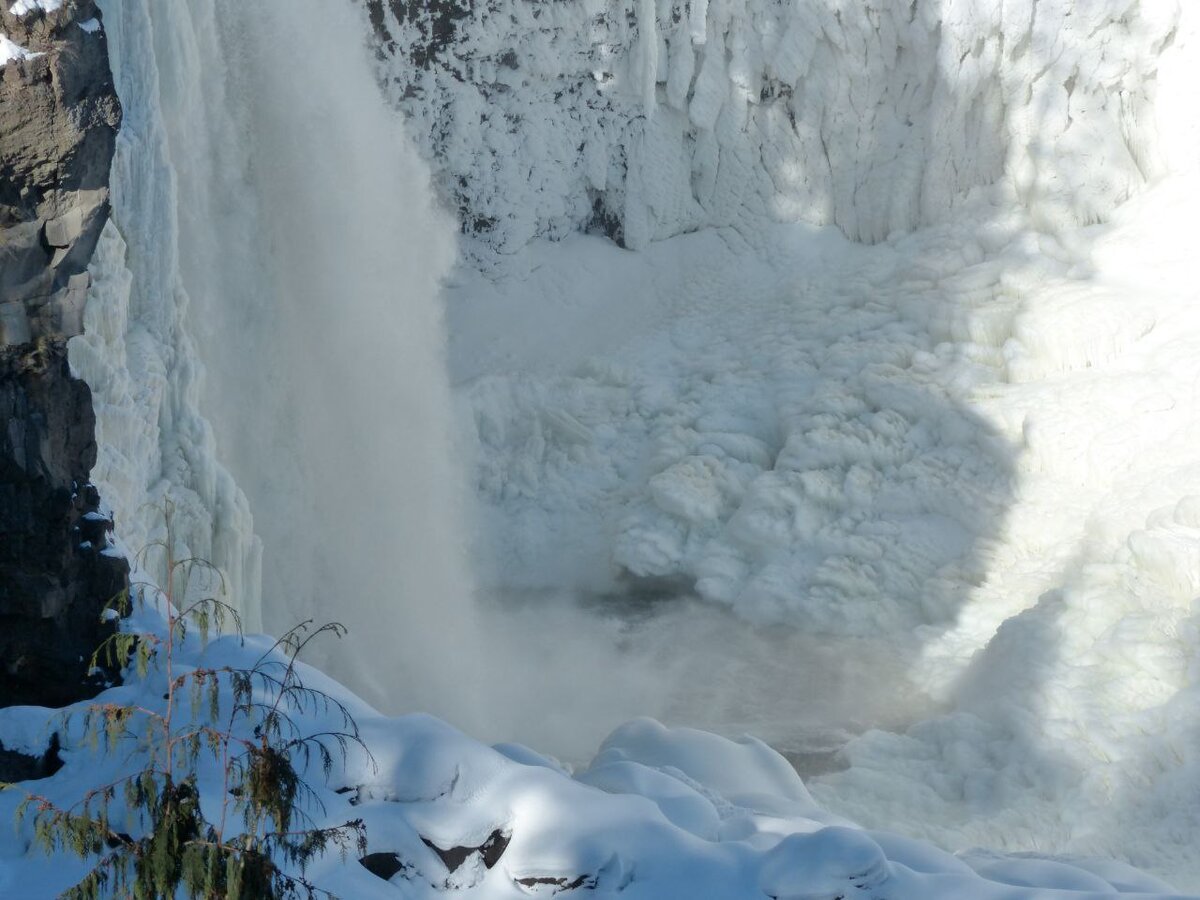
{"x":25,"y":7}
{"x":661,"y":813}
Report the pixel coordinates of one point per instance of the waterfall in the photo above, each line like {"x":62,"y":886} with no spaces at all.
{"x":266,"y":312}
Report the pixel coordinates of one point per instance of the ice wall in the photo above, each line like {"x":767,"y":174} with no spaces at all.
{"x":266,"y":305}
{"x":137,"y":352}
{"x":646,"y":119}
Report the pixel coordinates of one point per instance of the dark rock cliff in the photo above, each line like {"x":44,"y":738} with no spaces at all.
{"x":59,"y":116}
{"x":57,"y":568}
{"x":58,"y":125}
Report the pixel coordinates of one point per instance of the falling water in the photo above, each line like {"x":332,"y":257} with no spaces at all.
{"x":273,"y":223}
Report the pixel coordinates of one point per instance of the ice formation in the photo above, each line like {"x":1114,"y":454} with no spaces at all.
{"x":964,"y":453}
{"x":654,"y":117}
{"x":138,"y":354}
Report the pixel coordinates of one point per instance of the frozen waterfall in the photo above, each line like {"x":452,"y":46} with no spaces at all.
{"x":888,"y":428}
{"x":264,"y":334}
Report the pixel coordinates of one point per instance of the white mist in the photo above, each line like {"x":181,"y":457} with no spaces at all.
{"x":275,"y":224}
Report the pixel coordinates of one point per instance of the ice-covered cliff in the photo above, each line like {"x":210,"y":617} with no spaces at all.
{"x":650,"y":118}
{"x":931,"y":465}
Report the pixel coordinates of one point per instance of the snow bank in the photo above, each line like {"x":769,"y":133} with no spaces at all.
{"x":661,"y":813}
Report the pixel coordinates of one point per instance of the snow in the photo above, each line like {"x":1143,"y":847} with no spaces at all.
{"x":91,"y":26}
{"x":10,"y":51}
{"x":216,"y":270}
{"x":660,"y":813}
{"x":25,"y":7}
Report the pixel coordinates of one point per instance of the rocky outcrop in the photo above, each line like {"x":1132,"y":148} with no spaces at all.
{"x":57,"y":566}
{"x":59,"y":116}
{"x":18,"y":766}
{"x":58,"y":122}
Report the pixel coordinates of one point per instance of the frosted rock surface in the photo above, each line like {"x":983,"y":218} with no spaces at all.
{"x":650,"y":118}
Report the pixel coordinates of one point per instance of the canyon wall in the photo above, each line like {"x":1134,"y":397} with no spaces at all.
{"x":59,"y":116}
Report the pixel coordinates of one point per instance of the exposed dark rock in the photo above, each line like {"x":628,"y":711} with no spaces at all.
{"x":57,"y":570}
{"x":383,"y":865}
{"x":489,"y":851}
{"x":17,"y":766}
{"x":605,"y":221}
{"x":59,"y":116}
{"x":558,"y":884}
{"x":436,"y":22}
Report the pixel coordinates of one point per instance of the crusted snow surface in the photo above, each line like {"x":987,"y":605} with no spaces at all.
{"x":660,"y":813}
{"x":650,"y":118}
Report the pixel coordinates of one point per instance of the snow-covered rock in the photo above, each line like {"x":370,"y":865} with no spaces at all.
{"x":650,"y":118}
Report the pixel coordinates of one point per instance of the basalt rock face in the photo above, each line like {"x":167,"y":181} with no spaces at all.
{"x":57,"y":566}
{"x":59,"y":116}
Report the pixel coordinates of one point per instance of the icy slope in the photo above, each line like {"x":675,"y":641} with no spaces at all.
{"x":650,"y":118}
{"x":660,"y":813}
